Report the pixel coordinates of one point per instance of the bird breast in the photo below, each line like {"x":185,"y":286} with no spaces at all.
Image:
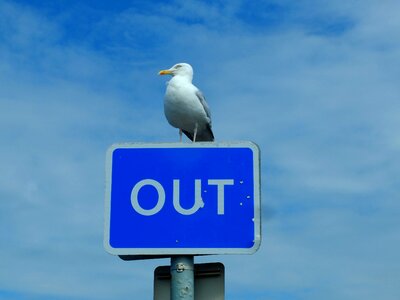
{"x":182,"y":107}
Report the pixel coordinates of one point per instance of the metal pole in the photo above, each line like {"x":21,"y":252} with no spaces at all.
{"x":182,"y":278}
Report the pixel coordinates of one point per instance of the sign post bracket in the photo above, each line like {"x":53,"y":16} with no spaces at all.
{"x":182,"y":277}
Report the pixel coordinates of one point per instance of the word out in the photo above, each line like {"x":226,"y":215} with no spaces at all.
{"x":198,"y":201}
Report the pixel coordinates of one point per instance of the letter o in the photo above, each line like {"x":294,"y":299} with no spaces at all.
{"x":160,"y":202}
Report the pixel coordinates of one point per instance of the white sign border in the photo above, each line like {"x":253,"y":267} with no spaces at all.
{"x":189,"y":251}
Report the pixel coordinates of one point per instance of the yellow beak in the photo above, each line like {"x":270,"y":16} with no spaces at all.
{"x":165,"y":72}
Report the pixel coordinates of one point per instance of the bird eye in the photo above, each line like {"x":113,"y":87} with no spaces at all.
{"x":178,"y":66}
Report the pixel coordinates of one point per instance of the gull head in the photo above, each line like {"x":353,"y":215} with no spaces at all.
{"x":181,"y":69}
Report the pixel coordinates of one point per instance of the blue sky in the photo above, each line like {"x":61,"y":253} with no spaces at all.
{"x":314,"y":83}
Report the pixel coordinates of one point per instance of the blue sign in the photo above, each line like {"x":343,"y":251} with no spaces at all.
{"x":182,"y":198}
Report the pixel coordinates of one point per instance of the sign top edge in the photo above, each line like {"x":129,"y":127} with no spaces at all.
{"x":233,"y":144}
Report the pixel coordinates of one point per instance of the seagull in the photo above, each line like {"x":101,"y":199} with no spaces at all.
{"x":185,"y":106}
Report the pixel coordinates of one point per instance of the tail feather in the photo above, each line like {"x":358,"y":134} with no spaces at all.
{"x":204,"y":136}
{"x":188,"y":134}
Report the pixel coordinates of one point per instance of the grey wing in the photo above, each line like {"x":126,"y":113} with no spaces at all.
{"x":203,"y":102}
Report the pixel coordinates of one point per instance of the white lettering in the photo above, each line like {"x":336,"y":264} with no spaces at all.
{"x":160,"y":202}
{"x":220,"y":183}
{"x":198,"y":201}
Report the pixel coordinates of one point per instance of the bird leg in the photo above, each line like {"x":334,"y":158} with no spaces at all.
{"x":180,"y":135}
{"x":195,"y":133}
